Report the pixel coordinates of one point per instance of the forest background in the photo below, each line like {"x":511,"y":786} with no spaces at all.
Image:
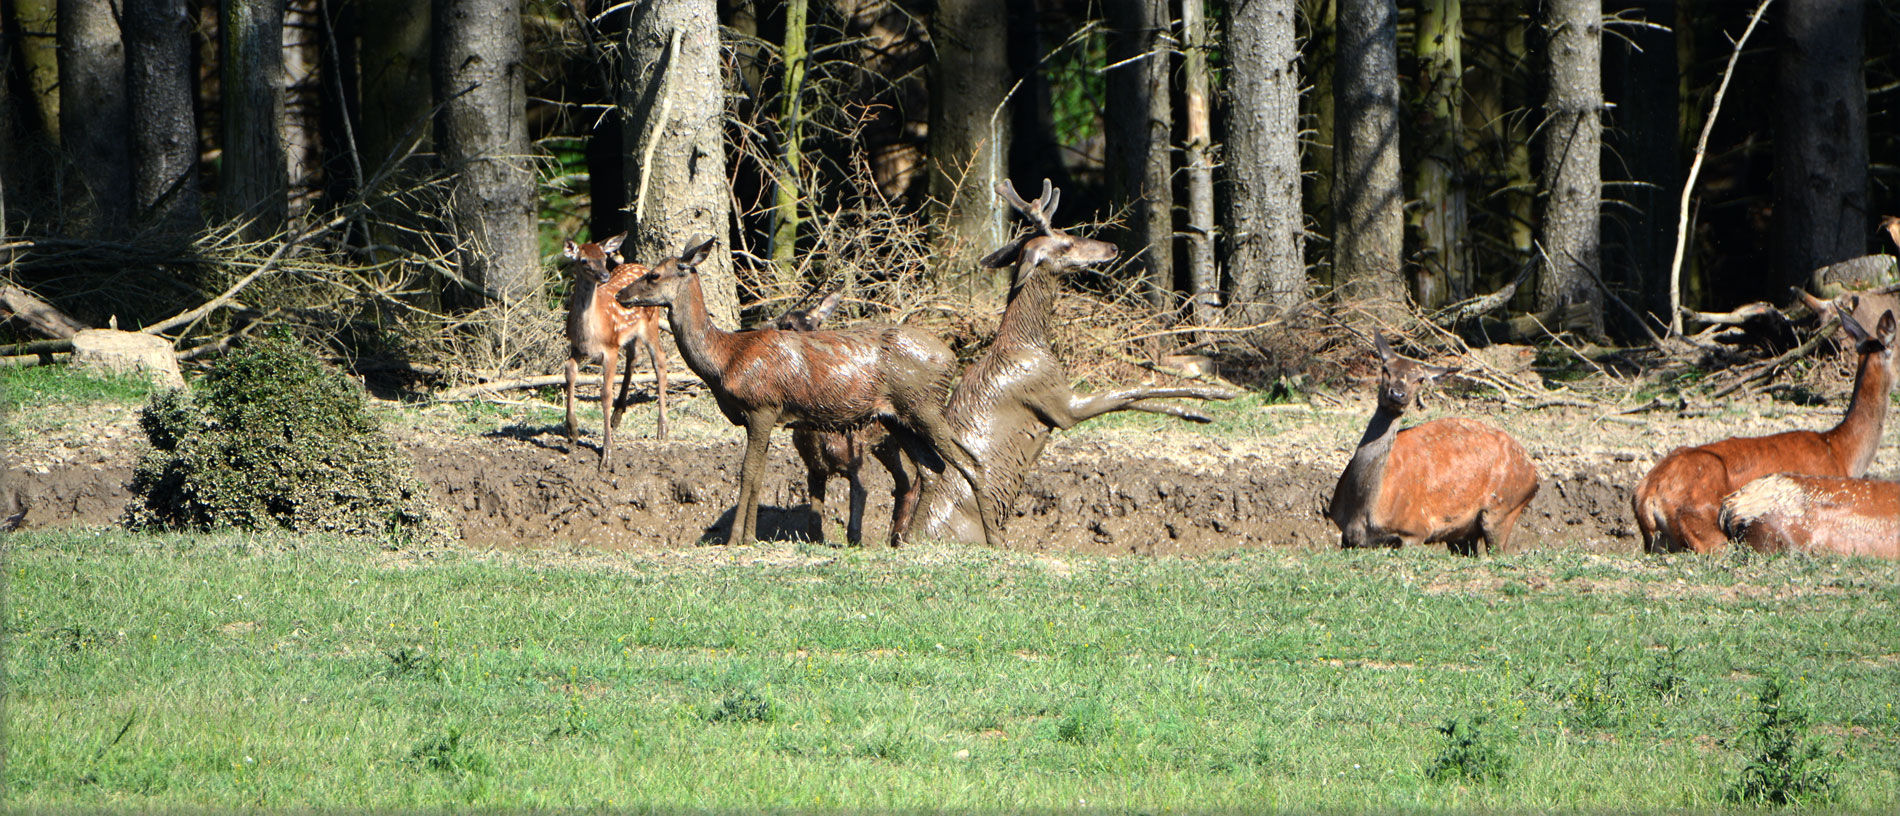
{"x":394,"y":180}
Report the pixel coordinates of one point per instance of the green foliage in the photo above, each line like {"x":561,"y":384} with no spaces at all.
{"x":1085,"y":722}
{"x":1783,"y":767}
{"x":272,"y":438}
{"x":1471,"y":753}
{"x":1077,"y":89}
{"x":750,"y":704}
{"x":450,"y":755}
{"x":405,"y":662}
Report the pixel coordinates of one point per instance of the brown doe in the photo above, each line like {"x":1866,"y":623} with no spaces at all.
{"x":1018,"y":392}
{"x":820,"y":380}
{"x":1679,"y":503}
{"x":836,"y":453}
{"x":1816,"y":514}
{"x":1454,"y":480}
{"x":599,"y":327}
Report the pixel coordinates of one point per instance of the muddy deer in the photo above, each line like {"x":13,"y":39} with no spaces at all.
{"x":1018,"y":392}
{"x":1678,"y":504}
{"x":599,"y":328}
{"x":1816,"y":514}
{"x":838,"y":453}
{"x":820,"y":380}
{"x":1453,"y":480}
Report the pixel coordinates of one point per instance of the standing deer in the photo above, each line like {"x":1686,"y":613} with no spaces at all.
{"x":838,"y":453}
{"x":821,"y":380}
{"x":1678,"y":504}
{"x":598,"y":328}
{"x":1453,"y":480}
{"x":1818,"y":514}
{"x":1018,"y":392}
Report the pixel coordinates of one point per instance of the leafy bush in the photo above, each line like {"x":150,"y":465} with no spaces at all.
{"x":1782,"y":770}
{"x":274,"y":438}
{"x":1470,"y":753}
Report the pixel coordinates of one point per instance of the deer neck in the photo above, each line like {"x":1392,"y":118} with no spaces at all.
{"x":1031,"y":306}
{"x":705,"y":347}
{"x":1366,"y":471}
{"x":1858,"y":435}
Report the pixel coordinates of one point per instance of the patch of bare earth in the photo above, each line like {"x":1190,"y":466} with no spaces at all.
{"x":1113,"y":490}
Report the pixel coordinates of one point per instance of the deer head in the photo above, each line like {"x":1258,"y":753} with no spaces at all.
{"x":597,"y":259}
{"x":805,"y":320}
{"x":1047,"y":244}
{"x":1401,"y":379}
{"x":662,"y":285}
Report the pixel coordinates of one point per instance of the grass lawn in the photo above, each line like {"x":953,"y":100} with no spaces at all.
{"x":237,"y":671}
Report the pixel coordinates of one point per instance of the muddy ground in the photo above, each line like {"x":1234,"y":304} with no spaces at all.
{"x":1145,"y":486}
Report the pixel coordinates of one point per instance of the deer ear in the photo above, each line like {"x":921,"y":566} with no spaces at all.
{"x":1379,"y":344}
{"x":612,"y":245}
{"x":1855,"y":331}
{"x":571,"y":250}
{"x":1887,"y":328}
{"x":695,"y":255}
{"x":1005,"y":256}
{"x":823,"y":311}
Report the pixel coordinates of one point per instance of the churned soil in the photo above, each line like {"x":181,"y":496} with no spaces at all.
{"x":1148,"y":486}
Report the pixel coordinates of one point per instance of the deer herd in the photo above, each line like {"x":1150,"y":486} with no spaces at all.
{"x":960,"y":448}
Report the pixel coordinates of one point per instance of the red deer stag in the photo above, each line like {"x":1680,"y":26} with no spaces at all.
{"x":598,"y":328}
{"x":1454,"y":480}
{"x":1018,"y":392}
{"x":1679,"y":503}
{"x":822,"y":380}
{"x":836,"y":453}
{"x":1817,"y":514}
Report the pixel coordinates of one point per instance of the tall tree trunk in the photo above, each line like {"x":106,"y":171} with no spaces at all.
{"x":160,"y":96}
{"x":675,"y":108}
{"x":791,"y":112}
{"x":1265,"y":229}
{"x":1368,"y":202}
{"x":1821,"y":210}
{"x":969,"y":138}
{"x":37,"y":20}
{"x":1035,"y":153}
{"x":254,"y":173}
{"x":398,"y":92}
{"x":1318,"y":51}
{"x":1203,"y":277}
{"x":482,"y":136}
{"x":1641,"y":66}
{"x":1139,"y":124}
{"x":1438,"y":182}
{"x":94,"y":126}
{"x":1573,"y":142}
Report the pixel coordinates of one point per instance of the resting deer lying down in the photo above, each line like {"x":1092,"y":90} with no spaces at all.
{"x":1453,"y":480}
{"x":1817,"y":514}
{"x":837,"y":453}
{"x":599,"y":328}
{"x":1679,"y":502}
{"x":1018,"y":392}
{"x":821,"y":380}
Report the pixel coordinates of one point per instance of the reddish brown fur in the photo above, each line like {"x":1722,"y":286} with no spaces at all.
{"x":599,"y":327}
{"x":822,"y":380}
{"x":1678,"y":505}
{"x":1452,"y":480}
{"x":1816,"y":514}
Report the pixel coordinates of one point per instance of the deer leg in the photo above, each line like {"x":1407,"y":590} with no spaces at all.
{"x":905,"y":486}
{"x":854,"y":526}
{"x":1497,"y":531}
{"x":626,"y":385}
{"x":573,"y":429}
{"x":656,"y":354}
{"x":936,"y":429}
{"x":1086,"y":407}
{"x":607,"y":360}
{"x":745,"y":515}
{"x":815,"y":480}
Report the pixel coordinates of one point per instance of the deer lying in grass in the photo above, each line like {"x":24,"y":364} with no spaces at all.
{"x":821,"y":380}
{"x":1018,"y":392}
{"x":1817,"y":514}
{"x":838,"y":453}
{"x":598,"y":328}
{"x":1679,"y":503}
{"x":1453,"y":480}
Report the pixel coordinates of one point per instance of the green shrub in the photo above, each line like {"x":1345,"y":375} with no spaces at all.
{"x":274,"y":438}
{"x":1782,"y":770}
{"x":1470,"y":753}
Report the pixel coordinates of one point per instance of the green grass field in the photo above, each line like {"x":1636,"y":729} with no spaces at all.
{"x":236,"y":672}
